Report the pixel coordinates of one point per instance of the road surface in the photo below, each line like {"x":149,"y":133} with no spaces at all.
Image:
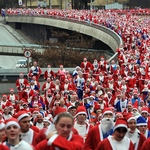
{"x":7,"y":62}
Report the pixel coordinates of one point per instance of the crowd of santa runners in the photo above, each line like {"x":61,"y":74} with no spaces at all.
{"x":102,"y":105}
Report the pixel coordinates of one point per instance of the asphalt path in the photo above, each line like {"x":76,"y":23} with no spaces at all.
{"x":8,"y":62}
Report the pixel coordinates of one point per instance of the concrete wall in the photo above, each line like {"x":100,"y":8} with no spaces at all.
{"x":103,"y":34}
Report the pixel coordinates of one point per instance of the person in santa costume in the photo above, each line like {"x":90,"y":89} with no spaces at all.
{"x":80,"y":124}
{"x":58,"y":87}
{"x":62,"y":138}
{"x":145,"y":114}
{"x":135,"y":97}
{"x":75,"y":73}
{"x":112,"y":86}
{"x":109,"y":99}
{"x":131,"y":81}
{"x":121,"y":105}
{"x":113,"y":65}
{"x":7,"y":114}
{"x":61,"y":75}
{"x":21,"y":84}
{"x":27,"y":134}
{"x":133,"y":133}
{"x":102,"y":63}
{"x":27,"y":94}
{"x":49,"y":73}
{"x":49,"y":100}
{"x":66,"y":87}
{"x":118,"y":141}
{"x":108,"y":69}
{"x":12,"y":129}
{"x":39,"y":121}
{"x":142,"y":126}
{"x":48,"y":86}
{"x":95,"y":68}
{"x":100,"y":132}
{"x":35,"y":71}
{"x":85,"y":66}
{"x":80,"y":85}
{"x":117,"y":73}
{"x":12,"y":97}
{"x":4,"y":101}
{"x":33,"y":86}
{"x":36,"y":82}
{"x":101,"y":104}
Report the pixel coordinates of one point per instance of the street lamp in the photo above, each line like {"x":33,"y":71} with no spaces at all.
{"x":50,"y":4}
{"x":91,"y":4}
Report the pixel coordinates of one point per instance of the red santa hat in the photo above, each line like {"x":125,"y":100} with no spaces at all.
{"x":56,"y":102}
{"x":2,"y":125}
{"x":36,"y":92}
{"x":35,"y":62}
{"x":34,"y":77}
{"x":107,"y":110}
{"x":11,"y":106}
{"x":23,"y":100}
{"x":36,"y":111}
{"x":120,"y":122}
{"x":85,"y":58}
{"x":11,"y":121}
{"x":35,"y":104}
{"x":85,"y":96}
{"x":102,"y":57}
{"x":4,"y":95}
{"x":21,"y":74}
{"x":49,"y":92}
{"x":40,"y":105}
{"x":91,"y":96}
{"x":112,"y":61}
{"x":81,"y":110}
{"x":99,"y":115}
{"x":95,"y":59}
{"x":48,"y":78}
{"x":118,"y":94}
{"x":119,"y":113}
{"x":49,"y":120}
{"x":99,"y":98}
{"x":141,"y":100}
{"x":129,"y":117}
{"x":25,"y":103}
{"x":21,"y":114}
{"x":61,"y":65}
{"x":109,"y":92}
{"x":130,"y":103}
{"x":49,"y":66}
{"x":57,"y":111}
{"x":144,"y":110}
{"x":1,"y":113}
{"x":11,"y":90}
{"x":28,"y":85}
{"x":135,"y":107}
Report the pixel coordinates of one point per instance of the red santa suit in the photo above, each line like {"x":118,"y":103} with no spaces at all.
{"x":137,"y":138}
{"x":102,"y":64}
{"x":27,"y":94}
{"x":13,"y":98}
{"x":58,"y":142}
{"x":48,"y":86}
{"x":49,"y":102}
{"x":109,"y":101}
{"x":116,"y":74}
{"x":82,"y":129}
{"x":132,"y":68}
{"x":131,"y":82}
{"x":29,"y":136}
{"x":66,"y":87}
{"x":49,"y":73}
{"x":141,"y":76}
{"x":110,"y":144}
{"x":21,"y":85}
{"x":108,"y":69}
{"x":58,"y":89}
{"x":96,"y":69}
{"x":85,"y":66}
{"x":61,"y":75}
{"x":146,"y":145}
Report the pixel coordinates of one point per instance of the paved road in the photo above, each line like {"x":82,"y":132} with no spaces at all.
{"x":8,"y":61}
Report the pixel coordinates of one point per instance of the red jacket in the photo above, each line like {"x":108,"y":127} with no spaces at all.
{"x":18,"y":84}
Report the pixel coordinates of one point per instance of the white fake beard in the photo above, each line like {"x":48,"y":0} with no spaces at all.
{"x":107,"y":124}
{"x":135,"y":113}
{"x":49,"y":69}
